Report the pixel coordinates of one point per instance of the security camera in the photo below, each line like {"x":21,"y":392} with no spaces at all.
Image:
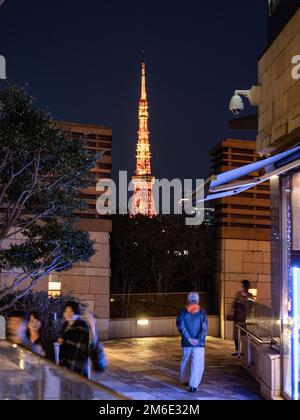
{"x":236,"y":104}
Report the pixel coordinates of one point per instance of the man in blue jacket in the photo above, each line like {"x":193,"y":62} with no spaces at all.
{"x":192,"y":323}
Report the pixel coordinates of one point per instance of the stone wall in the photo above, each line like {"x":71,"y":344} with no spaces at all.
{"x":279,"y":110}
{"x":240,"y":259}
{"x":157,"y":327}
{"x":88,"y":281}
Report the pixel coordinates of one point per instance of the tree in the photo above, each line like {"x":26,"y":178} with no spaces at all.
{"x":42,"y":170}
{"x":160,"y":255}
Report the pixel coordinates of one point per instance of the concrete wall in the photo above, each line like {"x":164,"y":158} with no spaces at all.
{"x":88,"y":281}
{"x":158,"y":327}
{"x":279,"y":109}
{"x":265,"y":368}
{"x":240,"y":259}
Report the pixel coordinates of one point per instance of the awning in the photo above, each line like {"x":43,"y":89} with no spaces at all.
{"x":228,"y":184}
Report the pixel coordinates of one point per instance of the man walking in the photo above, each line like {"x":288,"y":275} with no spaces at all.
{"x":192,"y":323}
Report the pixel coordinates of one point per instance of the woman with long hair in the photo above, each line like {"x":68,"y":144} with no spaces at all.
{"x":34,"y":334}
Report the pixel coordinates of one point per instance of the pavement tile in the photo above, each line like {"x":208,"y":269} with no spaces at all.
{"x":148,"y":368}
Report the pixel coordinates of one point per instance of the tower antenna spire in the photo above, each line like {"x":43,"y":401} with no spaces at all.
{"x":143,"y":201}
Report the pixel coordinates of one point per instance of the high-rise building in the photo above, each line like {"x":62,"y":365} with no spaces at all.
{"x":90,"y":282}
{"x":142,"y":201}
{"x":97,"y":142}
{"x":246,"y":214}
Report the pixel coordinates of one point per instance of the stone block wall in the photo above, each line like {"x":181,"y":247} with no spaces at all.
{"x":240,"y":259}
{"x":279,"y":110}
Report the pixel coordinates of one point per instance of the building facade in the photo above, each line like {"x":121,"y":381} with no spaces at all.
{"x":243,"y":232}
{"x":279,"y":130}
{"x":273,"y":350}
{"x":91,"y":281}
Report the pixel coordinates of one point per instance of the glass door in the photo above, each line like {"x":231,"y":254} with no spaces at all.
{"x":291,"y":286}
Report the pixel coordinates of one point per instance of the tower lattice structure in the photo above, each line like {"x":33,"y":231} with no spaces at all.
{"x":143,"y":181}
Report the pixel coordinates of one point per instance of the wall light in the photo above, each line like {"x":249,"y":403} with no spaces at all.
{"x":54,"y":289}
{"x":143,"y":322}
{"x":254,"y":293}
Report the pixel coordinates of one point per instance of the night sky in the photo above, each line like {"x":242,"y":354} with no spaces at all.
{"x":82,"y":60}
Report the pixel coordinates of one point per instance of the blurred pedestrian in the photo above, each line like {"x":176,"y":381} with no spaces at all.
{"x":98,"y":360}
{"x":192,"y":323}
{"x":240,"y":308}
{"x":74,"y":340}
{"x":17,"y":325}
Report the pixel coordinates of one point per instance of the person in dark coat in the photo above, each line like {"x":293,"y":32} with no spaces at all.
{"x":74,"y":341}
{"x":241,"y":306}
{"x":192,"y":323}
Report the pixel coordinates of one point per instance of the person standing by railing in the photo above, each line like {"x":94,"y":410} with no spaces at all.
{"x":239,"y":311}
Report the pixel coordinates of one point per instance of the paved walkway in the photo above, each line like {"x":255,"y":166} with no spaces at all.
{"x":147,"y":369}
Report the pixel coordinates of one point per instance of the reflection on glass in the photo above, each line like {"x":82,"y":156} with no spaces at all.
{"x":25,"y":376}
{"x":291,"y":287}
{"x":286,"y":288}
{"x":296,"y":212}
{"x":296,"y":332}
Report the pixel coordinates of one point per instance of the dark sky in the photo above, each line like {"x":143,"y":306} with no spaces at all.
{"x":82,"y":60}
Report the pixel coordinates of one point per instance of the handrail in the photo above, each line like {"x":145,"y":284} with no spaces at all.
{"x":16,"y":354}
{"x":251,"y":336}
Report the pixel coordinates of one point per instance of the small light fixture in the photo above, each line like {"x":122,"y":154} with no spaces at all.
{"x":254,"y":293}
{"x":143,"y":322}
{"x":54,"y":286}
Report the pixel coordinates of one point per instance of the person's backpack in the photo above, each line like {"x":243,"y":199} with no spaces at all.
{"x":98,"y":357}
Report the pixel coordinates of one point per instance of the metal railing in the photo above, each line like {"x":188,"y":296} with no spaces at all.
{"x":25,"y":376}
{"x":155,"y":305}
{"x":255,"y":333}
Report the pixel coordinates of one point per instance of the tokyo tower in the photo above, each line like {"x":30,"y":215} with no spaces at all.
{"x":142,"y":201}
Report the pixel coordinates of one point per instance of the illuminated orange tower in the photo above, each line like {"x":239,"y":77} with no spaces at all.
{"x":143,"y":181}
